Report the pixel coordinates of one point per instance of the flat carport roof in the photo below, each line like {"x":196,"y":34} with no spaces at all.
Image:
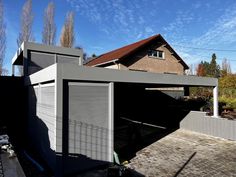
{"x":69,"y":71}
{"x":66,"y":71}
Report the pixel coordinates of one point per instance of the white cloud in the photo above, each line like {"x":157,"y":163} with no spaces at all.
{"x":197,"y":5}
{"x":221,"y":35}
{"x":179,"y":23}
{"x":117,"y":16}
{"x":149,"y":29}
{"x":223,"y":31}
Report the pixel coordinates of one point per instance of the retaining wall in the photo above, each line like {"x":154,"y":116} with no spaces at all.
{"x":200,"y":122}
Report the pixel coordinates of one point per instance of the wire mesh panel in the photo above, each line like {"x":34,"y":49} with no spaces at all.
{"x":89,"y":132}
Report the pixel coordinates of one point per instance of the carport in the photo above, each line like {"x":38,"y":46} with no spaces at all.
{"x":88,"y":103}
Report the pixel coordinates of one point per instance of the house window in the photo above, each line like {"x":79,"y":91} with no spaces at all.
{"x":156,"y":54}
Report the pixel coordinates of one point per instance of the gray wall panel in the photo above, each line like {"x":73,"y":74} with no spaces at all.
{"x":67,"y":59}
{"x":219,"y":127}
{"x":39,"y":60}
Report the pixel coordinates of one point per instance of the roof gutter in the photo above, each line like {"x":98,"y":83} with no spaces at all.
{"x":111,"y":61}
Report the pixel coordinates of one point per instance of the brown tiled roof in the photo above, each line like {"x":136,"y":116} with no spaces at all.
{"x":125,"y":51}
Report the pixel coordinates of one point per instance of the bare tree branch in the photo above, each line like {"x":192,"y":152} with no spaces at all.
{"x":67,"y":35}
{"x":49,"y":28}
{"x":26,"y":23}
{"x":2,"y":37}
{"x":226,"y":67}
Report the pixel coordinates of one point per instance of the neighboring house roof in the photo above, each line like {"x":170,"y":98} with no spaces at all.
{"x":121,"y":53}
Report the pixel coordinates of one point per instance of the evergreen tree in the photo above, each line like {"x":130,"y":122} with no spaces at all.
{"x":211,"y":69}
{"x":94,"y":55}
{"x":214,"y":68}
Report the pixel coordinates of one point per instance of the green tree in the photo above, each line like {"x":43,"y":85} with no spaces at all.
{"x":228,"y":81}
{"x":206,"y":66}
{"x":214,"y":68}
{"x":94,"y":55}
{"x":211,"y":69}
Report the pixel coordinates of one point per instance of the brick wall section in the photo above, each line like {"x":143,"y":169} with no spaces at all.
{"x":141,"y":61}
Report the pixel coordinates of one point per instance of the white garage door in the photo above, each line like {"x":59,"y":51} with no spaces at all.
{"x":90,"y":120}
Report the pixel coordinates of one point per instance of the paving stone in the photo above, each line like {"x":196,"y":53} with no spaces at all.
{"x":170,"y":156}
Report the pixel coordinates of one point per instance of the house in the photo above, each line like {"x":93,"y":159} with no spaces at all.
{"x":73,"y":110}
{"x":153,"y":54}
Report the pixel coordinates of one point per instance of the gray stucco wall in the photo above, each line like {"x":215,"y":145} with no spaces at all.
{"x":219,"y":127}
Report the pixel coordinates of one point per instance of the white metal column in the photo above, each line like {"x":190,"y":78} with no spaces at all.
{"x":111,"y":122}
{"x":215,"y":102}
{"x":13,"y":70}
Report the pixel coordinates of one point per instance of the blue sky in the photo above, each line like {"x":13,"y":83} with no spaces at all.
{"x":195,"y":29}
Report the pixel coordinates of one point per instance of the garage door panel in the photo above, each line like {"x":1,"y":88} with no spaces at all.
{"x":89,"y":120}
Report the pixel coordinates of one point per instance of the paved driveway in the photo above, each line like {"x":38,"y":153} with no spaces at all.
{"x":184,"y":154}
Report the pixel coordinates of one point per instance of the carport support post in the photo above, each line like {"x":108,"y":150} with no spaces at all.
{"x":13,"y":70}
{"x":215,"y":102}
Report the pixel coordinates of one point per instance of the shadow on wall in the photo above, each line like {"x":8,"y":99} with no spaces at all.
{"x":70,"y":164}
{"x":41,"y":132}
{"x":151,"y":106}
{"x":82,"y":152}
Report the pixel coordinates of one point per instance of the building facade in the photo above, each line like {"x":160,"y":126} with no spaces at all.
{"x":153,"y":54}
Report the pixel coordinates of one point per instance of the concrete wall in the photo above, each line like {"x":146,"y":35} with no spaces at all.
{"x":219,"y":127}
{"x":142,"y":62}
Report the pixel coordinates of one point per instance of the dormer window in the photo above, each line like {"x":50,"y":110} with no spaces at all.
{"x":156,"y":54}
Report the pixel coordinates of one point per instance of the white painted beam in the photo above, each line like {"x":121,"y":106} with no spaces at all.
{"x":215,"y":102}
